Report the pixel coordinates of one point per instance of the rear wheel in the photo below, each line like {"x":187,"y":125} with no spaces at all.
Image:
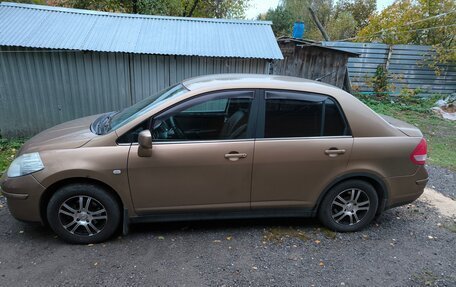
{"x":83,"y":213}
{"x":349,"y":206}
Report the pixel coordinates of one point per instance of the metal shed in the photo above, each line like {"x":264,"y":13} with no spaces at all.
{"x":57,"y":64}
{"x":311,"y":60}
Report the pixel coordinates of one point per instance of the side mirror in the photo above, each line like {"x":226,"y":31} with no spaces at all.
{"x":145,"y":144}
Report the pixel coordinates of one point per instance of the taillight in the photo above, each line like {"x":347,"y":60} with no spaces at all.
{"x":419,"y":154}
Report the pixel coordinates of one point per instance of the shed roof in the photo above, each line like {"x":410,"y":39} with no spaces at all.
{"x":310,"y":43}
{"x":39,"y":26}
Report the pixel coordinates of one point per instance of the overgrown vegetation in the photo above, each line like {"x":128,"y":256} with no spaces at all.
{"x":8,"y":149}
{"x":380,"y":82}
{"x":440,"y":133}
{"x":183,"y":8}
{"x":421,"y":22}
{"x":341,"y":19}
{"x":414,"y":22}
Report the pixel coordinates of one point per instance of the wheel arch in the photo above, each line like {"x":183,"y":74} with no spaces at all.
{"x":376,"y":181}
{"x":49,"y":191}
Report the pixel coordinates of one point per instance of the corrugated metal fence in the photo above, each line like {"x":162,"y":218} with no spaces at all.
{"x":408,"y":67}
{"x":42,"y":88}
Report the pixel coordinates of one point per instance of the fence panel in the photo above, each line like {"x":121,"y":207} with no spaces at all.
{"x":408,"y":67}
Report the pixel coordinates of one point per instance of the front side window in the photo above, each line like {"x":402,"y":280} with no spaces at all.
{"x":293,"y":114}
{"x":211,"y":118}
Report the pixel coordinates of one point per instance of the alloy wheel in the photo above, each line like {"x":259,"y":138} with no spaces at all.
{"x":83,"y":215}
{"x":350,"y":206}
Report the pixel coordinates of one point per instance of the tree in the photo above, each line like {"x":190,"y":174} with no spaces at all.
{"x":222,"y":8}
{"x":40,"y":2}
{"x":300,"y":11}
{"x":282,"y":20}
{"x":342,"y":26}
{"x":419,"y":22}
{"x":360,"y":10}
{"x":412,"y":22}
{"x":341,"y":21}
{"x":184,"y":8}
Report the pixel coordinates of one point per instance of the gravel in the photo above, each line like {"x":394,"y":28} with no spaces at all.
{"x":443,"y":180}
{"x":410,"y":245}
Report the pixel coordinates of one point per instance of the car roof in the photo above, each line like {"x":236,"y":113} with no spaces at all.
{"x":232,"y":81}
{"x":363,"y":121}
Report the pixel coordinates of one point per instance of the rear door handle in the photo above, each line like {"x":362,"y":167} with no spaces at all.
{"x":333,"y":152}
{"x":233,"y":156}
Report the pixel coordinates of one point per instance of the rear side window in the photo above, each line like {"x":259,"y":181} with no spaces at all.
{"x":291,"y":114}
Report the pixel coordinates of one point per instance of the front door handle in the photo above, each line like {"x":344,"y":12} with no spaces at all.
{"x":233,"y":156}
{"x":333,"y":152}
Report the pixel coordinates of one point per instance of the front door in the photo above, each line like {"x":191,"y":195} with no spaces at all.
{"x":303,"y":144}
{"x":202,"y":156}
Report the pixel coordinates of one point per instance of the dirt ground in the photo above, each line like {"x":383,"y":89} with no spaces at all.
{"x":413,"y":245}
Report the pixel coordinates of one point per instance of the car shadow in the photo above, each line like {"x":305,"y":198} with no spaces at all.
{"x":223,"y":225}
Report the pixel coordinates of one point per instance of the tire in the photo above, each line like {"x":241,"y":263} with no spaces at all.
{"x":95,"y":221}
{"x":342,"y":212}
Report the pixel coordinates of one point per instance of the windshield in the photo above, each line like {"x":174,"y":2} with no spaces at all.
{"x":126,"y":115}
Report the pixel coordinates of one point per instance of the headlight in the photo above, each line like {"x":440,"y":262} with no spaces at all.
{"x":25,"y":164}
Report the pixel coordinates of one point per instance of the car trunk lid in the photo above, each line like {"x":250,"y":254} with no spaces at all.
{"x":405,"y":128}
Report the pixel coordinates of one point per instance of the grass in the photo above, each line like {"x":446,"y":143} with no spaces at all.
{"x":8,"y":149}
{"x":439,"y":133}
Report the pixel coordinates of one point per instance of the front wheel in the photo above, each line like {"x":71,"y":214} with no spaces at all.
{"x":349,"y":206}
{"x":83,"y":213}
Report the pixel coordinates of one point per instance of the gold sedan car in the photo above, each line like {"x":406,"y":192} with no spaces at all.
{"x":220,"y":146}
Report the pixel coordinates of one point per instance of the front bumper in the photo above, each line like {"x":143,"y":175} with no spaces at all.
{"x":23,"y":196}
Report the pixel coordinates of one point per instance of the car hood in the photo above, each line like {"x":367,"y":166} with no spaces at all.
{"x":72,"y":134}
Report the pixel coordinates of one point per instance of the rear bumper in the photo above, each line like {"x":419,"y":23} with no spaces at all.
{"x":406,"y":189}
{"x":23,"y":197}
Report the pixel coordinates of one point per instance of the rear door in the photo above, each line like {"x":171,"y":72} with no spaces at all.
{"x":303,"y":143}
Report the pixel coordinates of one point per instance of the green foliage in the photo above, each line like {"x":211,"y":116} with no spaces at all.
{"x":360,"y":10}
{"x":299,"y":10}
{"x":231,"y":9}
{"x":343,"y":26}
{"x":184,"y":8}
{"x":380,"y":82}
{"x":39,"y":2}
{"x":410,"y":96}
{"x":171,"y":8}
{"x":282,"y":21}
{"x":8,"y":149}
{"x":414,"y":22}
{"x":341,"y":20}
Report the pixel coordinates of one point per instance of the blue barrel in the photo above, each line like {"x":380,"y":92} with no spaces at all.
{"x":298,"y":29}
